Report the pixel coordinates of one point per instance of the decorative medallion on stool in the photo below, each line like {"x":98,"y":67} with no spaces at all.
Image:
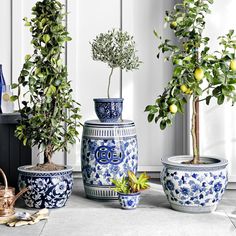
{"x":106,"y":154}
{"x":109,"y":150}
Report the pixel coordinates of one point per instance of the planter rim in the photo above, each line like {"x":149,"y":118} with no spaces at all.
{"x":98,"y":124}
{"x":129,"y":194}
{"x":213,"y":163}
{"x":25,"y":169}
{"x":108,"y":99}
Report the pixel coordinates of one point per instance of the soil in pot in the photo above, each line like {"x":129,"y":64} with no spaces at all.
{"x":47,"y":167}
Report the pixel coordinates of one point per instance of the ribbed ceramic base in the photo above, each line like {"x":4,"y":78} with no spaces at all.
{"x":105,"y":193}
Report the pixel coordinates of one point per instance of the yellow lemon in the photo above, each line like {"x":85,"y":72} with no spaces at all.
{"x":173,"y":25}
{"x":233,"y":65}
{"x":183,"y":88}
{"x":189,"y":91}
{"x":6,"y":97}
{"x":173,"y":108}
{"x":199,"y":74}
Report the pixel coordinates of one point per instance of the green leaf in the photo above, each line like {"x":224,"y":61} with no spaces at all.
{"x":162,"y":125}
{"x":208,"y":99}
{"x":14,"y":85}
{"x":155,"y":33}
{"x":150,"y":117}
{"x":46,"y":38}
{"x":67,"y":39}
{"x":13,"y":98}
{"x":27,"y":57}
{"x":220,"y":99}
{"x":24,"y":73}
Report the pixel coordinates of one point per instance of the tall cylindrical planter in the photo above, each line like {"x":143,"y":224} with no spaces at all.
{"x":108,"y":151}
{"x":47,"y":189}
{"x":194,"y":188}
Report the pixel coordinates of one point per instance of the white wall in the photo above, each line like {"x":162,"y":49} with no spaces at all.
{"x":218,"y":127}
{"x":89,"y":78}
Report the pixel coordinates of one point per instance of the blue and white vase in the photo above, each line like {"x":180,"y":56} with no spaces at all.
{"x":108,"y":109}
{"x":129,"y":201}
{"x":108,"y":151}
{"x":194,"y":188}
{"x":2,"y":85}
{"x":47,"y":189}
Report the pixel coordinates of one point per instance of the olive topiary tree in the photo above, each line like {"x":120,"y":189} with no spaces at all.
{"x":49,"y":115}
{"x":198,"y":73}
{"x":117,"y":49}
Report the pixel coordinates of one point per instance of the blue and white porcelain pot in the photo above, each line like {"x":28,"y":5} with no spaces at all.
{"x":108,"y":151}
{"x":47,"y":189}
{"x":108,"y":109}
{"x":194,"y":188}
{"x":129,"y":201}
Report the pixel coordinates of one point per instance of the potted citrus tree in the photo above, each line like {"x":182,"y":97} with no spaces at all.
{"x":49,"y":115}
{"x":117,"y":50}
{"x":129,"y":189}
{"x":194,"y":183}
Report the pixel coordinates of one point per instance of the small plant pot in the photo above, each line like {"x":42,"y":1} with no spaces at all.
{"x":129,"y":201}
{"x":108,"y":109}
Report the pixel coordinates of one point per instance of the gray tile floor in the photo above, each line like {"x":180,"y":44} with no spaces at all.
{"x":85,"y":217}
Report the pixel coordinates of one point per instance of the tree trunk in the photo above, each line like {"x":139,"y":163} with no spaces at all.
{"x":48,"y":154}
{"x":195,"y":130}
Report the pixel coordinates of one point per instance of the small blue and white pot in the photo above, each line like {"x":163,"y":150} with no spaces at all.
{"x":194,"y":188}
{"x":47,"y":189}
{"x":108,"y":109}
{"x":129,"y":201}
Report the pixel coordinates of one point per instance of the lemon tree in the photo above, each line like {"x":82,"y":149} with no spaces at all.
{"x":49,"y":115}
{"x":199,"y":74}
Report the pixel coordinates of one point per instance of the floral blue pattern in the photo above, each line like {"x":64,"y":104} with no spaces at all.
{"x":129,"y":201}
{"x":196,"y":188}
{"x":46,"y":189}
{"x":108,"y":110}
{"x":107,"y":152}
{"x":98,"y":173}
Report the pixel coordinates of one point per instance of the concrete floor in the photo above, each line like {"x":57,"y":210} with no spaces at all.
{"x":85,"y":217}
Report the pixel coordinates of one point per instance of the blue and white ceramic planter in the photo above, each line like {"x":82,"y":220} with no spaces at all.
{"x":194,"y":188}
{"x":49,"y":189}
{"x":108,"y":151}
{"x":108,"y":109}
{"x":129,"y":201}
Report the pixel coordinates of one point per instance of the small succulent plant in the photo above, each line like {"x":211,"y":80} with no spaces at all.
{"x":131,"y":184}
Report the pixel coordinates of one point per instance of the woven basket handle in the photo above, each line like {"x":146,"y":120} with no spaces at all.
{"x":4,"y":178}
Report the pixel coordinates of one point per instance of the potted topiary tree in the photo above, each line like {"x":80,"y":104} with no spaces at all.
{"x":129,"y":189}
{"x":194,"y":184}
{"x":49,"y":115}
{"x":117,"y":49}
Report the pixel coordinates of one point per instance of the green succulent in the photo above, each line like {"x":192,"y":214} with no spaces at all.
{"x":131,"y":184}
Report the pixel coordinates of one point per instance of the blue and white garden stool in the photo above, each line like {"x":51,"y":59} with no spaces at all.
{"x":108,"y":151}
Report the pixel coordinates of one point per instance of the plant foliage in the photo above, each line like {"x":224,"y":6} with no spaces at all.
{"x":49,"y":114}
{"x":131,"y":184}
{"x":117,"y":49}
{"x":198,"y":73}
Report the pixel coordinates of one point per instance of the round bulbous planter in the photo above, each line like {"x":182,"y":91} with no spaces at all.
{"x":108,"y":109}
{"x":47,"y":189}
{"x":194,"y":188}
{"x":129,"y":201}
